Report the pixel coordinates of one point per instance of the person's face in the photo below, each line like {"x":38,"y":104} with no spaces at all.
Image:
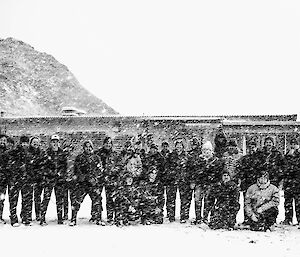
{"x":225,"y":178}
{"x":165,"y":147}
{"x":3,"y":141}
{"x":207,"y":153}
{"x":252,"y":148}
{"x":269,"y":144}
{"x":108,"y":144}
{"x":10,"y":146}
{"x":179,"y":147}
{"x":231,"y":149}
{"x":152,"y":176}
{"x":54,"y":144}
{"x":88,"y":148}
{"x":24,"y":145}
{"x":129,"y":181}
{"x":262,"y":180}
{"x":153,"y":150}
{"x":35,"y":143}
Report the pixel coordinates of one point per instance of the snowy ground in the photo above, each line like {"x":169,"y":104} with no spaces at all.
{"x":168,"y":239}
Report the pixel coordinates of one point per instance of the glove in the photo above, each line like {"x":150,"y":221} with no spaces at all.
{"x":131,"y":209}
{"x":157,"y":210}
{"x":254,"y":218}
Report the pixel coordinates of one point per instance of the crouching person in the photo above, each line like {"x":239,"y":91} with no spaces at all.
{"x":262,"y":200}
{"x":88,"y":179}
{"x":226,"y":207}
{"x":127,"y":201}
{"x":151,"y":201}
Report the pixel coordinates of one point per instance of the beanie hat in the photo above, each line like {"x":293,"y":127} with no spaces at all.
{"x":195,"y":141}
{"x":24,"y":139}
{"x":252,"y":142}
{"x":207,"y":145}
{"x":165,"y":143}
{"x":55,"y":137}
{"x":154,"y":146}
{"x":31,"y":139}
{"x":269,"y":138}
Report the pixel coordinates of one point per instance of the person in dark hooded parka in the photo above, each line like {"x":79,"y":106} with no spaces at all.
{"x":226,"y":207}
{"x":88,"y":179}
{"x":20,"y":179}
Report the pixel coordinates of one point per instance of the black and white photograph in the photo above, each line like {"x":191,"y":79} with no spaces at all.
{"x":150,"y":128}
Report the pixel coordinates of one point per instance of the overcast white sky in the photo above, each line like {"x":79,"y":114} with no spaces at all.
{"x":173,"y":57}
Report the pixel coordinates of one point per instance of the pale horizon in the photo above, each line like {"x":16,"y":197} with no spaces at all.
{"x":171,"y":57}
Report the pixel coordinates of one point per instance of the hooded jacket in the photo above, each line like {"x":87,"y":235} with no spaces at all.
{"x":18,"y":165}
{"x":264,"y":196}
{"x":88,"y":169}
{"x":176,"y":168}
{"x":273,"y":163}
{"x":56,"y":165}
{"x":291,"y":172}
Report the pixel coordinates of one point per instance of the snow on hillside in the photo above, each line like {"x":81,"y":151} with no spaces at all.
{"x":157,"y":240}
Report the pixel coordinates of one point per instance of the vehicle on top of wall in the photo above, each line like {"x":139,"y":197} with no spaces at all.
{"x":72,"y":111}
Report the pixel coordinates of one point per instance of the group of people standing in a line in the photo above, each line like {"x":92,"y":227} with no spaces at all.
{"x":137,"y":181}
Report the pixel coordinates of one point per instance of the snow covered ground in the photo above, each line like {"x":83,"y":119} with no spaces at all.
{"x":157,"y":240}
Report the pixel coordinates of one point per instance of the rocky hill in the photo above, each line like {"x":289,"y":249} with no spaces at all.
{"x":34,"y":83}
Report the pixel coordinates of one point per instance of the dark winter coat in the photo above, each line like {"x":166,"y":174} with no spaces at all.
{"x":56,"y":165}
{"x":273,"y":163}
{"x":196,"y":169}
{"x":88,"y":169}
{"x":109,"y":159}
{"x":37,"y":164}
{"x":126,"y":198}
{"x":226,"y":207}
{"x":129,"y":163}
{"x":151,"y":197}
{"x":220,"y":144}
{"x":157,"y":161}
{"x":248,"y":170}
{"x":3,"y":166}
{"x":176,"y":168}
{"x":18,"y":165}
{"x":204,"y":172}
{"x":291,"y":172}
{"x":226,"y":195}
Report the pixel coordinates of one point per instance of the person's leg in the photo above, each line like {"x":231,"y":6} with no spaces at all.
{"x":95,"y":195}
{"x":297,"y":206}
{"x":171,"y":200}
{"x":185,"y":193}
{"x":110,"y":205}
{"x":209,"y":201}
{"x":65,"y":200}
{"x":269,"y":217}
{"x":80,"y":194}
{"x":216,"y":219}
{"x":46,"y":198}
{"x":198,"y":195}
{"x":246,"y":218}
{"x":27,"y":201}
{"x":3,"y":187}
{"x":38,"y":190}
{"x":13,"y":195}
{"x":288,"y":206}
{"x":59,"y":196}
